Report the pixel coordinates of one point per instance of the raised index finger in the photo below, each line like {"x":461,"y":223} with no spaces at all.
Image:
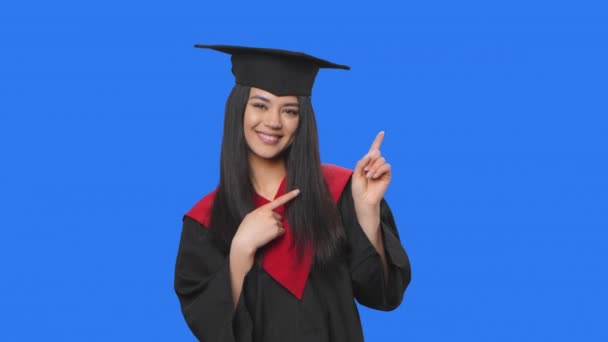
{"x":277,"y":202}
{"x":377,"y":142}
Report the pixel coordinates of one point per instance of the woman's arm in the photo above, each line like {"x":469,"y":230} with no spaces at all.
{"x":241,"y":261}
{"x":370,"y":223}
{"x":378,"y":282}
{"x":369,"y":182}
{"x":209,"y":283}
{"x":203,"y":286}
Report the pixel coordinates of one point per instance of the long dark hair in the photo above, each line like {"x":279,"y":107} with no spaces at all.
{"x":312,"y":215}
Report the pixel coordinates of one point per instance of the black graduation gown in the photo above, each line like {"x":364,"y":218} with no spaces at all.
{"x":267,"y":311}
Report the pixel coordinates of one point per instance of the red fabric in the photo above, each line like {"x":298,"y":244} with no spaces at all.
{"x":280,"y":258}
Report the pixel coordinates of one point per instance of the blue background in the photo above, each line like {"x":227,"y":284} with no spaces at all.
{"x":495,"y":120}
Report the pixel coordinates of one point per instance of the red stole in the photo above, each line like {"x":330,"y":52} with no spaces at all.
{"x":280,"y":258}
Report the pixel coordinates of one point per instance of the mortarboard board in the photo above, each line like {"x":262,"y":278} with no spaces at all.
{"x":280,"y":72}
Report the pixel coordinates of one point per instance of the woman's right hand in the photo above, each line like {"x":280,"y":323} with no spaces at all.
{"x":261,"y":225}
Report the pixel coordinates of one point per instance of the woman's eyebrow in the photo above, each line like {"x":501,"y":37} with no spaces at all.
{"x":259,"y":97}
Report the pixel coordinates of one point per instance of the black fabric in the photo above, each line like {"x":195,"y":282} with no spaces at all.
{"x":280,"y":72}
{"x":268,"y":312}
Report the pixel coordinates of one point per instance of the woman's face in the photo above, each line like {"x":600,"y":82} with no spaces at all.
{"x":270,"y":123}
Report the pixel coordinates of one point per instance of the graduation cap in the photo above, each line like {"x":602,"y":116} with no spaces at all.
{"x":280,"y":72}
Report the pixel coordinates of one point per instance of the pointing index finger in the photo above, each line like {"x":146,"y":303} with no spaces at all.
{"x":277,"y":202}
{"x":377,"y":142}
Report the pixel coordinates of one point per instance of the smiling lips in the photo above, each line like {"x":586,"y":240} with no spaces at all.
{"x":269,"y":139}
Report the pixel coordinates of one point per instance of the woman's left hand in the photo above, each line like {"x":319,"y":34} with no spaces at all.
{"x":370,"y":179}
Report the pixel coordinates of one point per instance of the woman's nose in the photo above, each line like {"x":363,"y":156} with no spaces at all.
{"x":273,"y":120}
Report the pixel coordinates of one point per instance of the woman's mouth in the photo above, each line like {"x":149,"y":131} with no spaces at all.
{"x":269,"y":139}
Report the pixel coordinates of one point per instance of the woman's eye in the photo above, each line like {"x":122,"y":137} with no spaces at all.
{"x":291,"y":111}
{"x":259,"y":105}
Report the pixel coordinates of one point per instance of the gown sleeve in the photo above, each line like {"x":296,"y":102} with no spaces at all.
{"x":202,"y":284}
{"x":367,"y":272}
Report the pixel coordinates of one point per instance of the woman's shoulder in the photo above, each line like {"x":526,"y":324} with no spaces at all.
{"x":332,"y":169}
{"x":201,"y":210}
{"x":336,"y":177}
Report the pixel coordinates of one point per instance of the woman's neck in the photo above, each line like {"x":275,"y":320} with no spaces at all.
{"x":266,"y":175}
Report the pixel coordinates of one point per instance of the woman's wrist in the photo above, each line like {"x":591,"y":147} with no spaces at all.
{"x":368,"y":216}
{"x":242,"y":249}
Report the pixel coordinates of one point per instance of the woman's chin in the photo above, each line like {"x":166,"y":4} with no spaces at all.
{"x":268,"y":155}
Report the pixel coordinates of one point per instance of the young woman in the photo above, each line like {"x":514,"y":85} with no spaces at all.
{"x":284,"y":245}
